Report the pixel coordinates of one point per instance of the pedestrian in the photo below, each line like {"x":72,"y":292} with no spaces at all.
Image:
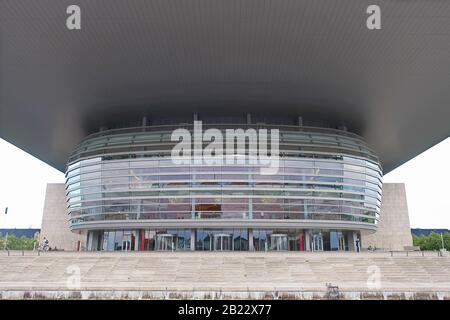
{"x":45,"y":245}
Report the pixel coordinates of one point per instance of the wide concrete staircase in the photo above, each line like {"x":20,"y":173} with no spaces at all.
{"x":233,"y":272}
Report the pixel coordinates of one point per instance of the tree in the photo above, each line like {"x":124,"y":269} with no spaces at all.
{"x":432,"y":241}
{"x":18,"y":243}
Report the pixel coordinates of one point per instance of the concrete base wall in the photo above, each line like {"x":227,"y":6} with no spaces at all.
{"x":394,"y":231}
{"x":221,"y":294}
{"x":55,"y":224}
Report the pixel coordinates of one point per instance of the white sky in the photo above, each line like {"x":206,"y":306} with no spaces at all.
{"x":23,"y":179}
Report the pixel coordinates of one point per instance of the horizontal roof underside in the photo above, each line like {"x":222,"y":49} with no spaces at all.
{"x":312,"y":58}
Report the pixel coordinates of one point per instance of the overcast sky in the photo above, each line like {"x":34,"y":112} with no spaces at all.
{"x":24,"y":178}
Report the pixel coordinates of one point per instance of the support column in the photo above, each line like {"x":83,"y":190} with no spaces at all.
{"x":308,"y":240}
{"x":142,"y":241}
{"x":136,"y":236}
{"x":250,"y":240}
{"x":193,"y":208}
{"x":193,"y":199}
{"x":192,"y":239}
{"x":351,"y":239}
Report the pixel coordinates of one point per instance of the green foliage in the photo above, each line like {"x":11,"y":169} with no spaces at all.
{"x":18,"y":243}
{"x":432,"y":241}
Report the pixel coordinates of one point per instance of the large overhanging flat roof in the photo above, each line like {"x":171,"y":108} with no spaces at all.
{"x":312,"y":58}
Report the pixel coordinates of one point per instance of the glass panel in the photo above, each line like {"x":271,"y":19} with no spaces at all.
{"x":222,"y":242}
{"x":118,"y":241}
{"x":317,"y":241}
{"x":278,"y":242}
{"x":164,"y":242}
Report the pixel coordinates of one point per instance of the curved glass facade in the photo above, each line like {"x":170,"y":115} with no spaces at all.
{"x":125,"y":179}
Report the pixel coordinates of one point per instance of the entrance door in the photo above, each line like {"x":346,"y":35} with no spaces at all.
{"x":317,"y":242}
{"x":126,"y":241}
{"x":222,"y":242}
{"x":164,"y":242}
{"x":278,"y":242}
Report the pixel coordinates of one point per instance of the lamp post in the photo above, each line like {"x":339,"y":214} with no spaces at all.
{"x":443,"y":251}
{"x":6,"y":236}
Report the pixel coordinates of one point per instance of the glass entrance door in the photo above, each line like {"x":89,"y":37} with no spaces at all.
{"x":126,"y":241}
{"x":222,"y":242}
{"x":164,"y":242}
{"x":317,"y":242}
{"x":278,"y":242}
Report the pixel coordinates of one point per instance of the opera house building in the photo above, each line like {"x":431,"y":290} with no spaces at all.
{"x":318,"y":105}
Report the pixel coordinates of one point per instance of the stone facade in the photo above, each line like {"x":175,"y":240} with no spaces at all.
{"x":55,"y":224}
{"x":394,"y":232}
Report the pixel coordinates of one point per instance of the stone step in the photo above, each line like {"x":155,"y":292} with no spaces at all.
{"x":150,"y":271}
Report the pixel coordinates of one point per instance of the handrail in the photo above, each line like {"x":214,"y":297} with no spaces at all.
{"x":407,"y":253}
{"x":224,"y":125}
